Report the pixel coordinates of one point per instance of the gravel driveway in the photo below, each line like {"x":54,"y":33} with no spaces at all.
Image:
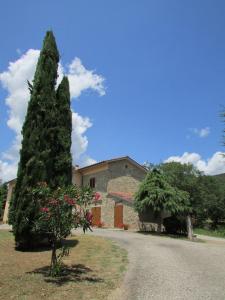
{"x":166,"y":268}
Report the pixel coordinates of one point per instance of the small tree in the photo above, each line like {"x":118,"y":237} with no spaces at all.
{"x":61,"y":211}
{"x":156,"y":194}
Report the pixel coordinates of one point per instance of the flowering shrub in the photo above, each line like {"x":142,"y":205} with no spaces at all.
{"x":61,"y":210}
{"x":97,"y":197}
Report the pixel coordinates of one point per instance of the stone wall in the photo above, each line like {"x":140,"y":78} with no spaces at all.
{"x":124,"y":177}
{"x":130,"y":217}
{"x":11,"y":186}
{"x":101,"y":180}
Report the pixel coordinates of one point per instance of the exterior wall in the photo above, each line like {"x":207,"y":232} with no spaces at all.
{"x":108,"y":211}
{"x":148,"y":221}
{"x":77,"y":178}
{"x":101,"y":180}
{"x":11,"y":185}
{"x":130,"y":217}
{"x":124,"y":177}
{"x":119,"y":176}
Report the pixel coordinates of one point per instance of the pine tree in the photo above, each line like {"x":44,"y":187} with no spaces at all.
{"x":42,"y":146}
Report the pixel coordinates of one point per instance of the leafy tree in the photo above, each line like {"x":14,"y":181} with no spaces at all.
{"x":211,"y":194}
{"x":157,"y":195}
{"x":61,"y":210}
{"x":184,"y":177}
{"x":45,"y":146}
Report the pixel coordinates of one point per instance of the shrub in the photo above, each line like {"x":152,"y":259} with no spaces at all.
{"x":60,"y":211}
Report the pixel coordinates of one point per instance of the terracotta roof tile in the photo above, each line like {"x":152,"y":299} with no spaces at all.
{"x":124,"y":196}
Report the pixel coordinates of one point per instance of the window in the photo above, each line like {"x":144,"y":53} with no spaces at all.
{"x":92,"y":182}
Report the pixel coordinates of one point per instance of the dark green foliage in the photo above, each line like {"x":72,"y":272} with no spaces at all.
{"x":62,"y":158}
{"x":207,"y":193}
{"x":211,"y":204}
{"x":185,"y":177}
{"x":43,"y":147}
{"x":175,"y":225}
{"x":3,"y":196}
{"x":156,"y":194}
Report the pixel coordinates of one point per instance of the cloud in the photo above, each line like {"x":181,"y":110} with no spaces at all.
{"x":82,"y":79}
{"x":211,"y":166}
{"x":8,"y":170}
{"x":14,"y":80}
{"x":202,"y":133}
{"x":80,"y":126}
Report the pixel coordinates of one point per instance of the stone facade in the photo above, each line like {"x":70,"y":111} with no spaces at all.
{"x":11,"y":185}
{"x":117,"y":181}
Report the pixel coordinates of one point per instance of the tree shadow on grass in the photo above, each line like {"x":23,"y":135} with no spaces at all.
{"x":73,"y":273}
{"x":45,"y":246}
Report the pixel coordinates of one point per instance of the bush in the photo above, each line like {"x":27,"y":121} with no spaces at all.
{"x":175,"y":225}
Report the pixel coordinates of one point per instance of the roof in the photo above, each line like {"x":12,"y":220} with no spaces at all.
{"x":128,"y":197}
{"x":132,"y":161}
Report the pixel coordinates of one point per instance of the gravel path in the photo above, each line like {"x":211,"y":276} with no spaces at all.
{"x":165,"y":268}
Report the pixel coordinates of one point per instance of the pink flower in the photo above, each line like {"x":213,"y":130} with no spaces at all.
{"x":89,"y":217}
{"x":44,"y":209}
{"x":97,"y":196}
{"x":66,"y":197}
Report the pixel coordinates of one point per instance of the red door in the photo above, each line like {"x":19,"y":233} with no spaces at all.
{"x":96,"y":212}
{"x":118,"y":216}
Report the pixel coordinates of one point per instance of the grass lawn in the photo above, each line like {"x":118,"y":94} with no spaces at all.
{"x":220,"y":232}
{"x":94,"y":268}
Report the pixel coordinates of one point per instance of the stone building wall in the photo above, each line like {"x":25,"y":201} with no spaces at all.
{"x":11,"y":186}
{"x":124,"y":177}
{"x":101,"y":180}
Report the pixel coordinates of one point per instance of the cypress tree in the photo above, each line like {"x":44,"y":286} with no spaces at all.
{"x":41,"y":131}
{"x":62,"y":155}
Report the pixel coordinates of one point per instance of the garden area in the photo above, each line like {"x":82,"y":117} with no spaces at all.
{"x":93,"y":269}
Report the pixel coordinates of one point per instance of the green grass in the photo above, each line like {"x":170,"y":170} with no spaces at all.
{"x":94,"y":268}
{"x":220,"y":232}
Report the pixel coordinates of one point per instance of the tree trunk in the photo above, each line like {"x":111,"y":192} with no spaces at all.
{"x":53,"y":259}
{"x":189,"y":228}
{"x":159,"y":227}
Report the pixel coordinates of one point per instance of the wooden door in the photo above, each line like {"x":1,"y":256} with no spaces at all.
{"x":118,"y":215}
{"x":96,"y":212}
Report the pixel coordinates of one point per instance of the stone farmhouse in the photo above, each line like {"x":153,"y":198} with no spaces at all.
{"x":116,"y":180}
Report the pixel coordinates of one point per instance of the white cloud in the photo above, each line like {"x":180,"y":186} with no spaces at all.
{"x":82,"y":79}
{"x":14,"y":80}
{"x":202,"y":133}
{"x":80,"y":126}
{"x":8,"y":170}
{"x":211,"y":166}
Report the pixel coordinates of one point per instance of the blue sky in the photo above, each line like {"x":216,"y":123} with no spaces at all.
{"x":163,"y":64}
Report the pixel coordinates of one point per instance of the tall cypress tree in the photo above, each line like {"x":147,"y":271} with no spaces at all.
{"x":62,"y":155}
{"x":41,"y":143}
